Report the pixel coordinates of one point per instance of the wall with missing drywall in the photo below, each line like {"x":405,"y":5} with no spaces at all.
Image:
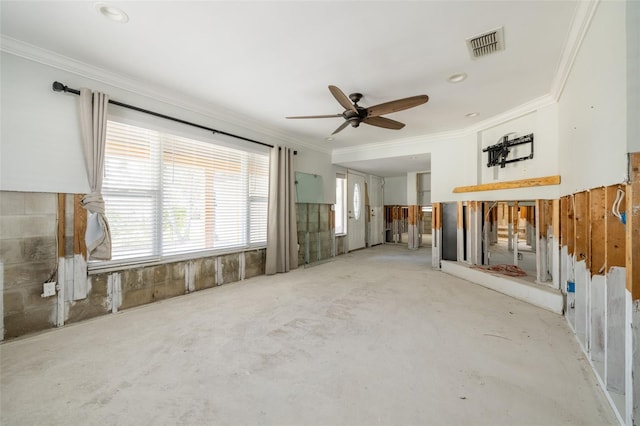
{"x":29,"y":257}
{"x":28,"y":254}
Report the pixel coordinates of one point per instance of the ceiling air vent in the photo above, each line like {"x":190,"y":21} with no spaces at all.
{"x":486,"y":43}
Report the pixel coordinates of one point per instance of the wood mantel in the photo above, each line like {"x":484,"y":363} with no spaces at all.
{"x":510,"y":184}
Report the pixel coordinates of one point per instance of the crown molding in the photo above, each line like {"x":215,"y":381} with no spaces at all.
{"x":490,"y":122}
{"x":582,"y":17}
{"x":46,"y":57}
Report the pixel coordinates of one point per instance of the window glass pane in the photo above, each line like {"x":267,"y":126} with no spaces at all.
{"x":356,"y":201}
{"x":167,"y":194}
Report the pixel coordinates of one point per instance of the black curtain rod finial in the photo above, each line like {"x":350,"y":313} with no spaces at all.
{"x":58,"y":87}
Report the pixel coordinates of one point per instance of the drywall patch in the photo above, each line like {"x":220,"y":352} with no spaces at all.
{"x":616,"y":298}
{"x":598,"y":327}
{"x":635,"y":327}
{"x":582,"y":278}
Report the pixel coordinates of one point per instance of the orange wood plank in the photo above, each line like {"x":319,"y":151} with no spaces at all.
{"x":512,"y":184}
{"x":598,"y":233}
{"x":79,"y":226}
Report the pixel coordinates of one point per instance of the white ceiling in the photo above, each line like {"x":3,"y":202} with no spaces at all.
{"x":266,"y":60}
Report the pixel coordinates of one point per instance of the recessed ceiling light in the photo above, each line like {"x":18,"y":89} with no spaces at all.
{"x":457,"y":78}
{"x":112,"y":13}
{"x":472,"y":114}
{"x":329,"y":139}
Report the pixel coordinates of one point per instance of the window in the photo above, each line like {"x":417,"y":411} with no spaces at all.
{"x":341,"y":202}
{"x":356,"y":201}
{"x":169,"y":195}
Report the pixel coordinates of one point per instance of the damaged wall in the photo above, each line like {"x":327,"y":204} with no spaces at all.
{"x":29,"y":256}
{"x":315,"y":233}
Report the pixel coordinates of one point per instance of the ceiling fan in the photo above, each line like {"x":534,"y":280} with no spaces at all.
{"x":354,"y":114}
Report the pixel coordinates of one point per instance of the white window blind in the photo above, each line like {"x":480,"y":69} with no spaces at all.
{"x":168,"y":195}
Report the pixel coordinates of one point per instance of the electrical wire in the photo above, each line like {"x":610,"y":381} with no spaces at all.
{"x":615,"y":208}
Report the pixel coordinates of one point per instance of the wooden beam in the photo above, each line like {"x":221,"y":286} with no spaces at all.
{"x":571,"y":225}
{"x":79,"y":227}
{"x":564,"y":207}
{"x":436,"y":216}
{"x":61,"y":223}
{"x":555,"y":219}
{"x":582,"y":227}
{"x":598,"y":234}
{"x":633,"y":227}
{"x":511,"y":184}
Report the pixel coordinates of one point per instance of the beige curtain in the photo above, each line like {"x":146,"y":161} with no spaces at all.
{"x":93,"y":125}
{"x":282,"y":233}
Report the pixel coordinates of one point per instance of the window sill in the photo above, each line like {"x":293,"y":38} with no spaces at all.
{"x":113,"y":266}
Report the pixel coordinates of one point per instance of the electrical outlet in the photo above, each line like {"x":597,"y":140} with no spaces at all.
{"x":48,"y":289}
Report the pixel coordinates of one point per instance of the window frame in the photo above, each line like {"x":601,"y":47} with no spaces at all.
{"x":157,"y":257}
{"x":343,"y":178}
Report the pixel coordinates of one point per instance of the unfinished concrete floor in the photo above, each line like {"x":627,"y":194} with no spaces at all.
{"x":373,"y":337}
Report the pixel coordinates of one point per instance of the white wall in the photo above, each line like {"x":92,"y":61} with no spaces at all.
{"x":454,"y":162}
{"x":395,"y":191}
{"x":40,"y":137}
{"x":40,"y":146}
{"x":633,"y":71}
{"x":543,"y":124}
{"x":412,"y":188}
{"x":592,"y":109}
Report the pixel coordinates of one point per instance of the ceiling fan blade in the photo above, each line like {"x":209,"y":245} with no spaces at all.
{"x":397,"y":105}
{"x":387,"y":123}
{"x":342,"y":98}
{"x":317,"y":116}
{"x":342,"y":126}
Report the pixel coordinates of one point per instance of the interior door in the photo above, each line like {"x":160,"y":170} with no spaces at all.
{"x":355,"y":211}
{"x":376,"y":224}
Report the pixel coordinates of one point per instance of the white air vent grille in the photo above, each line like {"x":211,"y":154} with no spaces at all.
{"x":486,"y":43}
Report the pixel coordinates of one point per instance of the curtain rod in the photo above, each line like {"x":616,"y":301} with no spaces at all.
{"x":59,"y":87}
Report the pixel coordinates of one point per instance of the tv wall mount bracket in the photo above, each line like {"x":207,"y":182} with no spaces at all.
{"x":499,"y":153}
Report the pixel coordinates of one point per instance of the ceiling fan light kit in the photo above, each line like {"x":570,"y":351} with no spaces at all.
{"x":354,"y":114}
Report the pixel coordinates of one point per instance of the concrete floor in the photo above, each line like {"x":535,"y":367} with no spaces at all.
{"x":373,"y":337}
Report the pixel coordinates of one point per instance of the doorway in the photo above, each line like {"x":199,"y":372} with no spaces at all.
{"x":355,"y":208}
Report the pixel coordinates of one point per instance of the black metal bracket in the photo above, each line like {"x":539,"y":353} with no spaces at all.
{"x":499,"y":152}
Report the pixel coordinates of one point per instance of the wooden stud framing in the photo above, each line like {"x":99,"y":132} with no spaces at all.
{"x":436,"y":221}
{"x":571,"y":225}
{"x":555,"y":219}
{"x":61,"y":224}
{"x":582,"y":227}
{"x":79,"y":227}
{"x":598,"y":235}
{"x":564,"y":206}
{"x":633,"y":227}
{"x":512,"y":184}
{"x":614,"y":230}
